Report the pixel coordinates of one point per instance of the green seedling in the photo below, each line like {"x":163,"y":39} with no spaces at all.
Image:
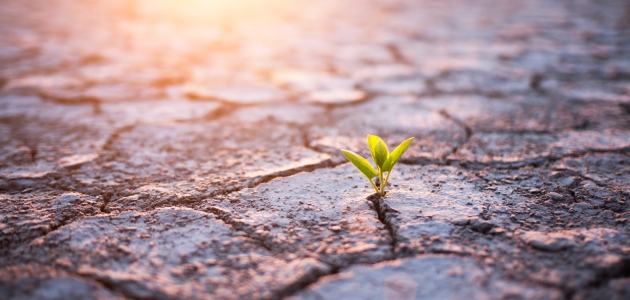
{"x":384,"y":161}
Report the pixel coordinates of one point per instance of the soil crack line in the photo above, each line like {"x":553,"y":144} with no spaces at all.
{"x":254,"y":182}
{"x":537,"y":162}
{"x":305,"y":281}
{"x":578,"y":174}
{"x":382,"y":210}
{"x":262,"y":240}
{"x":467,"y":129}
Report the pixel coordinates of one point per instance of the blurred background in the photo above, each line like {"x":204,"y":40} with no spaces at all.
{"x":508,"y":65}
{"x":133,"y":49}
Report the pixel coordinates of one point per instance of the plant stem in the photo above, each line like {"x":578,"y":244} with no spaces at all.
{"x":373,"y":185}
{"x":386,"y":179}
{"x":380,"y":178}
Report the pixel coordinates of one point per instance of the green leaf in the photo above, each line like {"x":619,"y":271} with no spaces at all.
{"x":379,"y":150}
{"x":381,"y":154}
{"x":372,"y":139}
{"x":396,"y":154}
{"x":361,"y":163}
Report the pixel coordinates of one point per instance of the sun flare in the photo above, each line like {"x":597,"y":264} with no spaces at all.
{"x":206,"y":10}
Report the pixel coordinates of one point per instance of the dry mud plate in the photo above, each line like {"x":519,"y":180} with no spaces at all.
{"x":162,"y":149}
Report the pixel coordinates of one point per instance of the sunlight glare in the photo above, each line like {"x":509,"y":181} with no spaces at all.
{"x":208,"y":10}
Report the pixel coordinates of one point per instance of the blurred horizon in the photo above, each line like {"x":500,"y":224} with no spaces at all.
{"x":183,"y":48}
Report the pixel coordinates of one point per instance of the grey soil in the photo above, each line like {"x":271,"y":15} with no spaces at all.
{"x":161,"y":153}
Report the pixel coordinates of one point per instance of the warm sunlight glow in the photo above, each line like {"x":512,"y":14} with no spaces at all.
{"x":207,"y":10}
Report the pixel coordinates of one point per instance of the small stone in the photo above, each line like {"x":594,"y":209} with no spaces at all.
{"x":63,"y":262}
{"x":447,"y":248}
{"x":435,"y":239}
{"x":66,"y":199}
{"x":553,"y":242}
{"x":481,"y":226}
{"x":497,"y":230}
{"x":555,"y":196}
{"x":461,"y":222}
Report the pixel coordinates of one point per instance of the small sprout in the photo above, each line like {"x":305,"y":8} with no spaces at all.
{"x":384,"y":161}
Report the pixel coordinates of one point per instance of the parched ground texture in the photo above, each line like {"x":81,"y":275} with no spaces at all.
{"x":161,"y":149}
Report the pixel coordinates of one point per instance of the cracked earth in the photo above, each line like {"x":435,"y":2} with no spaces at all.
{"x":155,"y":150}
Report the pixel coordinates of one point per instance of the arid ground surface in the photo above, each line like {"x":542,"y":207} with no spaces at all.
{"x":161,"y":149}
